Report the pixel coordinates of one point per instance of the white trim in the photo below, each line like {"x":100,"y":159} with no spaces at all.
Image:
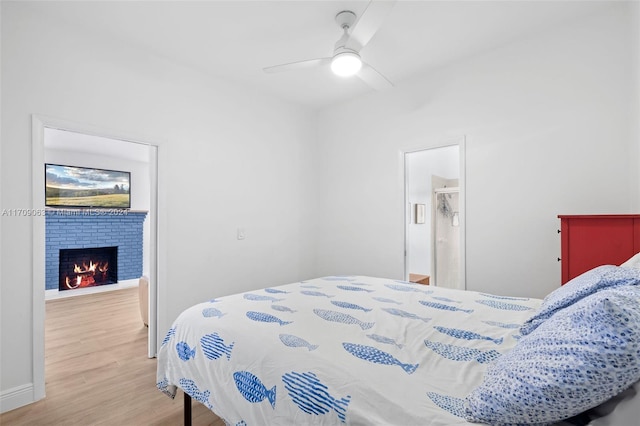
{"x":154,"y":243}
{"x":406,"y":212}
{"x":17,"y":397}
{"x":461,"y":143}
{"x":38,"y":256}
{"x":38,"y":123}
{"x":463,"y":211}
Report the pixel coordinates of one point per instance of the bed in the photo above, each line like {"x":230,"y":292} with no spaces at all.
{"x":374,"y":351}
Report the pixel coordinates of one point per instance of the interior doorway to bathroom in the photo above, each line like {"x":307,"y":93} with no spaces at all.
{"x":434,"y":216}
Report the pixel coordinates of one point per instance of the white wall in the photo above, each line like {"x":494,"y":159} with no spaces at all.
{"x":549,"y":130}
{"x":228,"y":158}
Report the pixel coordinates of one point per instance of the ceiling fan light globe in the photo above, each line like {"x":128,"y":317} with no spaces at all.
{"x":346,"y":64}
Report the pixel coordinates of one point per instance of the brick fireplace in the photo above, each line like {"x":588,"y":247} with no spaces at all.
{"x":87,"y":267}
{"x":112,"y":245}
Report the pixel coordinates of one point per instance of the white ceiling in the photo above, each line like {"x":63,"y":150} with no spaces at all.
{"x":234,"y":40}
{"x":79,"y":142}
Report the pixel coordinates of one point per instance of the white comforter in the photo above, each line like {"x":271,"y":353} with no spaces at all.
{"x":339,"y":350}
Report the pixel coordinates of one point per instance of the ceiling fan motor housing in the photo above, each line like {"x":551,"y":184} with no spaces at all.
{"x":345,"y":18}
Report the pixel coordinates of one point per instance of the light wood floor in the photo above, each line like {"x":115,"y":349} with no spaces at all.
{"x":97,"y":370}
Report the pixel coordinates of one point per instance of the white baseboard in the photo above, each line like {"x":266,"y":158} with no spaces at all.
{"x":57,"y":294}
{"x":17,"y":397}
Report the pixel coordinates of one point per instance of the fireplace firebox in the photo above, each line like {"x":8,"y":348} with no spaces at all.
{"x":88,"y":267}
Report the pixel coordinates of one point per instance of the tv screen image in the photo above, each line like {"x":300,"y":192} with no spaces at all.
{"x":72,"y":186}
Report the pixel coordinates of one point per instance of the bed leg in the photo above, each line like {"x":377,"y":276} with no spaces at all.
{"x":187,"y":410}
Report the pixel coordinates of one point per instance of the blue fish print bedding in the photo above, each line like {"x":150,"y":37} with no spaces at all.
{"x":339,"y":350}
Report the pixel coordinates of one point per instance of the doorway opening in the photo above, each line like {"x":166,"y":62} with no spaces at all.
{"x":434,"y":215}
{"x":61,"y":142}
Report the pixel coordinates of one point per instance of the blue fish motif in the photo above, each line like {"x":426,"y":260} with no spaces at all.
{"x":348,"y":305}
{"x":488,"y":356}
{"x":516,"y":336}
{"x":251,"y":296}
{"x":467,"y":335}
{"x":252,"y":389}
{"x":461,"y":353}
{"x":504,"y":297}
{"x":404,"y":314}
{"x":408,"y":287}
{"x":445,"y":299}
{"x":282,"y":308}
{"x":212,"y":312}
{"x":263,"y":317}
{"x":353,"y":288}
{"x":189,"y":387}
{"x":337,"y":278}
{"x":443,"y":306}
{"x":504,"y":306}
{"x":275,"y":291}
{"x":213,"y":346}
{"x":185,"y":353}
{"x":352,"y":283}
{"x":371,"y":354}
{"x":343,"y":318}
{"x":312,"y":396}
{"x":314,"y":293}
{"x":448,"y":403}
{"x":385,"y":300}
{"x":170,"y":334}
{"x":386,"y":340}
{"x":502,"y":324}
{"x":296,"y":342}
{"x":163,"y":385}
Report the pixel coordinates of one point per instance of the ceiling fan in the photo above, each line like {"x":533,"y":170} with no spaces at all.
{"x":346,"y":60}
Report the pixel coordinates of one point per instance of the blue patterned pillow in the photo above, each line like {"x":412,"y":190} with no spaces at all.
{"x":581,"y":286}
{"x":580,"y":357}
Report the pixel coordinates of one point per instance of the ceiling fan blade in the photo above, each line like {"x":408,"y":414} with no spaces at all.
{"x":298,"y":65}
{"x":373,"y":78}
{"x":369,"y":23}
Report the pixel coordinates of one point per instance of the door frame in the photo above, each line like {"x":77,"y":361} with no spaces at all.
{"x":461,"y":143}
{"x":38,"y":124}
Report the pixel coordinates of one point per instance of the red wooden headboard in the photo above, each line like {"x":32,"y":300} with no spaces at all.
{"x":588,"y":241}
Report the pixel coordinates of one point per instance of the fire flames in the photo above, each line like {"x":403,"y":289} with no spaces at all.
{"x":87,"y":275}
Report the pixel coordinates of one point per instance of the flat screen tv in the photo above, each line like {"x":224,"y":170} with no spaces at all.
{"x":72,"y":186}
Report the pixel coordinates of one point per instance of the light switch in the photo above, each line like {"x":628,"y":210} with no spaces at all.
{"x":241,"y":234}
